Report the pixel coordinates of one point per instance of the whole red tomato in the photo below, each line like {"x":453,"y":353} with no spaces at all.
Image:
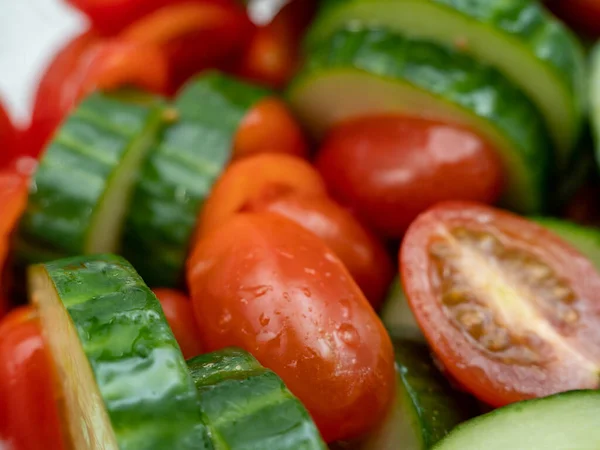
{"x":265,"y":284}
{"x":180,"y":315}
{"x":389,"y":169}
{"x":584,"y":15}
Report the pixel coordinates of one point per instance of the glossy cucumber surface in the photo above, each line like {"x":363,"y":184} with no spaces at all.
{"x":124,"y":381}
{"x":518,"y":37}
{"x":179,"y":174}
{"x":82,"y":187}
{"x":248,"y":407}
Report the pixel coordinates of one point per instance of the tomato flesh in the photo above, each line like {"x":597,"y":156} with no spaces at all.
{"x":391,"y":168}
{"x":29,"y":418}
{"x":510,"y":310}
{"x":180,"y":316}
{"x":263,"y":283}
{"x":8,"y":138}
{"x":362,"y":254}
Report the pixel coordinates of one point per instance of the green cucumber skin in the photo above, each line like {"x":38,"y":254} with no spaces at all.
{"x":594,"y":92}
{"x":455,"y":78}
{"x":437,"y":407}
{"x":523,"y":21}
{"x":141,"y":374}
{"x":584,"y":239}
{"x":76,"y":170}
{"x":179,"y":174}
{"x":248,"y":407}
{"x":397,"y":316}
{"x":561,"y":421}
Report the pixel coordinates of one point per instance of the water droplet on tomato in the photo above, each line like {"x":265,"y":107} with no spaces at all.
{"x":310,"y":271}
{"x":348,"y":334}
{"x":264,"y":320}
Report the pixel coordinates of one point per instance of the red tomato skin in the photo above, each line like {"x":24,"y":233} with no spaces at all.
{"x":109,"y":17}
{"x":263,"y":283}
{"x":388,"y":169}
{"x":29,"y":418}
{"x":83,"y":65}
{"x":584,"y":15}
{"x":269,"y":127}
{"x":180,"y":315}
{"x":362,"y":254}
{"x":493,"y":381}
{"x":239,"y":186}
{"x":194,"y":35}
{"x":273,"y":55}
{"x":8,"y":138}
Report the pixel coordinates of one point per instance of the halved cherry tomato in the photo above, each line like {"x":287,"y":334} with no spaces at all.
{"x":269,"y":127}
{"x":362,"y":254}
{"x":389,"y":169}
{"x":582,"y":14}
{"x":29,"y":418}
{"x":510,"y":310}
{"x":195,"y":35}
{"x":89,"y":63}
{"x":180,"y":315}
{"x":265,"y":284}
{"x":257,"y":177}
{"x":111,"y":16}
{"x":274,"y":53}
{"x":8,"y":138}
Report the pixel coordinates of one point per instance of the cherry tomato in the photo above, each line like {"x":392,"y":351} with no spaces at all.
{"x":389,"y":169}
{"x":195,"y":35}
{"x":8,"y":138}
{"x":364,"y":256}
{"x":29,"y":418}
{"x":265,"y":284}
{"x":85,"y":64}
{"x":582,"y":14}
{"x":180,"y":315}
{"x":274,"y":53}
{"x":269,"y":127}
{"x":111,"y":16}
{"x":14,"y":192}
{"x":257,"y":177}
{"x":510,"y":310}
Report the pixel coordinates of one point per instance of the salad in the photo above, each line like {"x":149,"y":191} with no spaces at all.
{"x":364,"y":224}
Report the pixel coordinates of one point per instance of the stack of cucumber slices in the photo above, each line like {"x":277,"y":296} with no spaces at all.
{"x":507,"y":70}
{"x":128,"y":173}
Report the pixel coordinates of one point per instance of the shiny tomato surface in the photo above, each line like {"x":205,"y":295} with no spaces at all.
{"x":388,"y":169}
{"x":362,"y":254}
{"x":257,"y":178}
{"x":269,"y":127}
{"x":180,"y":316}
{"x":265,"y":284}
{"x":510,"y":310}
{"x":29,"y":418}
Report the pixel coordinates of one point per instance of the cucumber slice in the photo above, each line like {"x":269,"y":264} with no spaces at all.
{"x":531,"y":48}
{"x":563,"y":421}
{"x":426,"y":407}
{"x":248,"y":407}
{"x":368,"y":72}
{"x":397,"y":316}
{"x":125,"y":383}
{"x":584,"y":239}
{"x":179,"y":174}
{"x":82,"y":187}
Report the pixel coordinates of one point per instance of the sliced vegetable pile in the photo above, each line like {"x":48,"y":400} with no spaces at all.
{"x":305,"y":233}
